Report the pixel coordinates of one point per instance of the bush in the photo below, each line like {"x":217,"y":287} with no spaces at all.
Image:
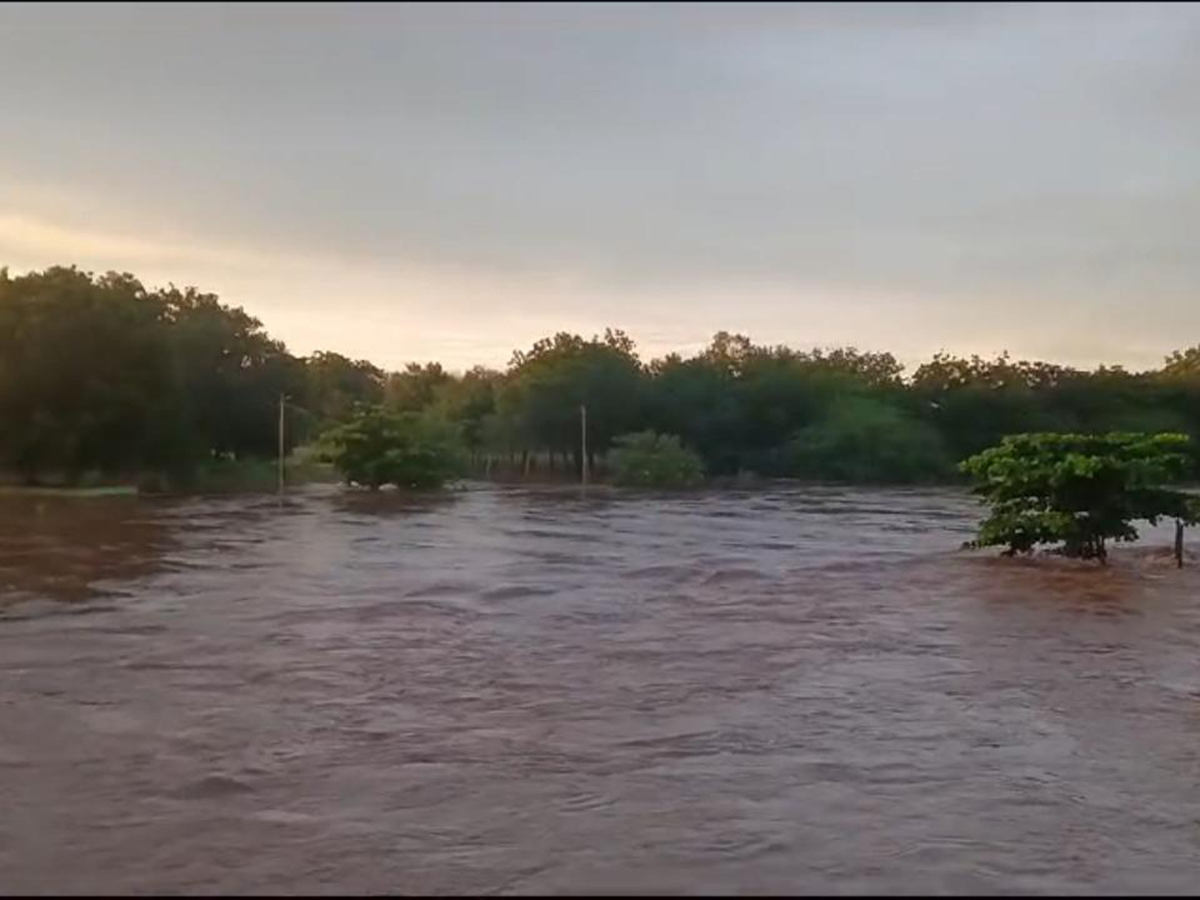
{"x":377,"y":448}
{"x":1078,"y":490}
{"x":649,"y":459}
{"x":867,"y":440}
{"x":310,"y":464}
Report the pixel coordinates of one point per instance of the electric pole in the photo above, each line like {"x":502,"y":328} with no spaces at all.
{"x":282,"y":398}
{"x":583,"y":457}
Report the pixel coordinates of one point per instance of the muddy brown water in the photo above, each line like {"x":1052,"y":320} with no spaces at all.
{"x":528,"y":691}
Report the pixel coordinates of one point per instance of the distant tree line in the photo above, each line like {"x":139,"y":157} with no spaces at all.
{"x":100,"y":373}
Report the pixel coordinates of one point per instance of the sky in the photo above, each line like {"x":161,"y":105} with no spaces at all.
{"x":415,"y":182}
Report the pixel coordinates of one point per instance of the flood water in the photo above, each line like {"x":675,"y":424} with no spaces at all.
{"x":528,"y":691}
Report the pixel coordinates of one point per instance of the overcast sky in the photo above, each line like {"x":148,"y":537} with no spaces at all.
{"x":450,"y":182}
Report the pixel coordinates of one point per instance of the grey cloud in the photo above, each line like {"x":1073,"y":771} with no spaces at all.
{"x":942,"y":151}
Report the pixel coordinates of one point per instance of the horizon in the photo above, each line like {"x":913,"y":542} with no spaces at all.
{"x":424,"y":183}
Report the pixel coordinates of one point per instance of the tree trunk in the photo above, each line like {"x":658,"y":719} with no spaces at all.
{"x":1178,"y":544}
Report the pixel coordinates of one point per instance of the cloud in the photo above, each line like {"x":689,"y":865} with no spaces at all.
{"x":22,"y":236}
{"x":935,"y":175}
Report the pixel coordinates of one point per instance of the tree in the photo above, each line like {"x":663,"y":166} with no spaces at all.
{"x":546,"y":386}
{"x":469,"y":402}
{"x":416,"y":388}
{"x":86,"y":376}
{"x":376,"y":448}
{"x":231,"y":373}
{"x":864,"y":439}
{"x":1183,"y":363}
{"x":649,"y":459}
{"x":99,"y":373}
{"x":336,"y":387}
{"x":693,"y":398}
{"x":974,"y":403}
{"x":1079,"y":490}
{"x":738,"y":403}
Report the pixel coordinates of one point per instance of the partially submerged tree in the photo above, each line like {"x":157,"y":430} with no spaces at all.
{"x":648,"y":459}
{"x":377,"y":448}
{"x":1079,"y":490}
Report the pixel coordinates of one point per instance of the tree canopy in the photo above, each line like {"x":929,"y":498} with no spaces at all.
{"x":647,"y":459}
{"x":406,"y":449}
{"x":1079,"y":490}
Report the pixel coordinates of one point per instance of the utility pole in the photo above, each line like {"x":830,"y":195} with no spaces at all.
{"x":583,"y":457}
{"x":282,"y":398}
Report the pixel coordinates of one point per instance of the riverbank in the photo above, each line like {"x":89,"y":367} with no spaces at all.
{"x":304,"y":468}
{"x":216,"y":477}
{"x":119,"y":490}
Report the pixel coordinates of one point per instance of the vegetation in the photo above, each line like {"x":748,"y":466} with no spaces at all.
{"x":377,"y":448}
{"x":648,"y":459}
{"x":100,"y":373}
{"x":103,"y":380}
{"x":868,"y":440}
{"x":1079,"y":490}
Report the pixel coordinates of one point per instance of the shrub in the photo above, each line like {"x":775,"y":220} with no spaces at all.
{"x":649,"y":459}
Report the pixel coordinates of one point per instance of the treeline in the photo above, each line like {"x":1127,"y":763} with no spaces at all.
{"x":101,"y":374}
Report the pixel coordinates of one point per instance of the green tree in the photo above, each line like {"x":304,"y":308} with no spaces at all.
{"x":469,"y":401}
{"x":335,"y":387}
{"x":416,"y":388}
{"x":377,"y":448}
{"x":865,"y":439}
{"x":86,"y":376}
{"x":1079,"y":490}
{"x":103,"y":373}
{"x":649,"y":459}
{"x":546,"y":386}
{"x":231,"y":374}
{"x":693,"y":398}
{"x":739,"y":403}
{"x":1183,"y":363}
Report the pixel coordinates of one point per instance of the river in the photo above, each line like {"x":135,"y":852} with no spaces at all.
{"x":510,"y":690}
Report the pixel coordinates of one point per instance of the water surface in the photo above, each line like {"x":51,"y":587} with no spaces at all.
{"x":529,"y":691}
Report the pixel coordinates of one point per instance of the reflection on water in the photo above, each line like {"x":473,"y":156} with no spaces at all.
{"x":531,"y":691}
{"x":69,"y":548}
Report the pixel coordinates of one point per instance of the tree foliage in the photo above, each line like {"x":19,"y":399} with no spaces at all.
{"x":101,"y":373}
{"x":1079,"y":490}
{"x":865,"y":440}
{"x":649,"y":459}
{"x":336,"y":387}
{"x":546,"y":386}
{"x":377,"y":448}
